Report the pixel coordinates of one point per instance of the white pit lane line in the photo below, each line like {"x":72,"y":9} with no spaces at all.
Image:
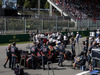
{"x":82,"y":73}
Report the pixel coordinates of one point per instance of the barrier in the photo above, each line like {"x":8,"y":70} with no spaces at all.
{"x":25,"y":37}
{"x":14,"y":38}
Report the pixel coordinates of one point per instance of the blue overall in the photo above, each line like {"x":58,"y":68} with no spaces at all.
{"x":44,"y":51}
{"x":34,"y":51}
{"x":13,"y":52}
{"x":61,"y":53}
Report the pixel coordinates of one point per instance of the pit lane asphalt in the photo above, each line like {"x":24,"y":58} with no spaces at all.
{"x":66,"y":70}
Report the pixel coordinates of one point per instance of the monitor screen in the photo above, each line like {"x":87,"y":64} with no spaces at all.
{"x":9,"y":4}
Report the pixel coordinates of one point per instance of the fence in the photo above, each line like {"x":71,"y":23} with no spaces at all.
{"x":88,"y":24}
{"x":24,"y":25}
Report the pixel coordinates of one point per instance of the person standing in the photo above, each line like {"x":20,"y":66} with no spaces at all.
{"x":97,"y":33}
{"x":91,"y":42}
{"x":39,"y":44}
{"x":69,"y":36}
{"x":72,"y":41}
{"x":8,"y":53}
{"x":84,"y":47}
{"x":87,"y":42}
{"x":34,"y":51}
{"x":72,"y":34}
{"x":77,"y":37}
{"x":61,"y":49}
{"x":45,"y":51}
{"x":14,"y":51}
{"x":65,"y":40}
{"x":98,"y":40}
{"x":59,"y":36}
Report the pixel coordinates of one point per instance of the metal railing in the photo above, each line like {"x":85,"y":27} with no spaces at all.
{"x":48,"y":64}
{"x":24,"y":25}
{"x":52,"y":24}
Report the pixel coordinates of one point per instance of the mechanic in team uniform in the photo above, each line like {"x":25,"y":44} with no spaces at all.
{"x":39,"y":44}
{"x":61,"y":54}
{"x":8,"y":53}
{"x":45,"y":51}
{"x":72,"y":41}
{"x":34,"y":51}
{"x":14,"y":50}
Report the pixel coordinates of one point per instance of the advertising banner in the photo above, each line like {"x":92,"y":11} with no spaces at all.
{"x":9,"y":4}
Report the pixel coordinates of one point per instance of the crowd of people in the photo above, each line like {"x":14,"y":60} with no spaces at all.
{"x":86,"y":54}
{"x":42,"y":46}
{"x":80,"y":9}
{"x":48,"y":46}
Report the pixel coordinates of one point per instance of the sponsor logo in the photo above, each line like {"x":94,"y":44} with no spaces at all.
{"x":14,"y":39}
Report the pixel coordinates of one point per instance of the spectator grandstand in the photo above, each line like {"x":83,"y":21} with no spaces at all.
{"x":80,"y":9}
